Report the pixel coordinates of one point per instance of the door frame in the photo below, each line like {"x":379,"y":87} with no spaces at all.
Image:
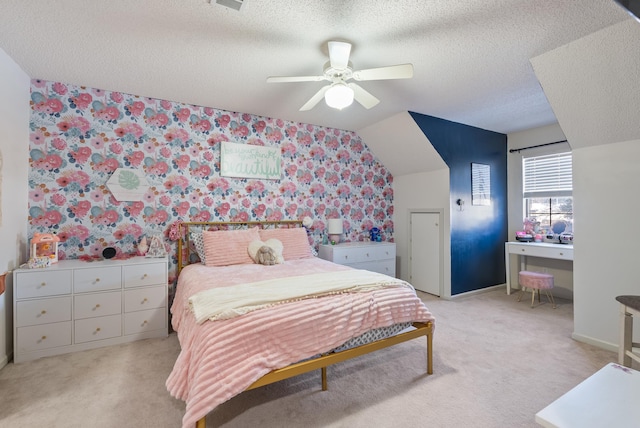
{"x":440,"y":212}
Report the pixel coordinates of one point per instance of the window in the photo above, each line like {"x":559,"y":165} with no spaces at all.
{"x":548,"y":187}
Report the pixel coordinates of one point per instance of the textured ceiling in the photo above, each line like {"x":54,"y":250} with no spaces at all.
{"x":471,"y":57}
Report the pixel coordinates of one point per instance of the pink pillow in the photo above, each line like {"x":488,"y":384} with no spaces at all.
{"x":294,"y":240}
{"x":228,"y":247}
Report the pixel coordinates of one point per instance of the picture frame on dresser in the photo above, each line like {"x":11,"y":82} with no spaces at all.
{"x":76,"y":305}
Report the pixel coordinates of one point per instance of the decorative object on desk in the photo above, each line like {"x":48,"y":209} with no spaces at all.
{"x":374,"y":234}
{"x":143,"y":247}
{"x":109,"y":253}
{"x":523,"y":236}
{"x":334,"y":227}
{"x":45,"y":245}
{"x":565,"y":238}
{"x":156,"y":247}
{"x":480,"y":184}
{"x":530,"y":225}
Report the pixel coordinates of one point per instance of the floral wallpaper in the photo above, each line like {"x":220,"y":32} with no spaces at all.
{"x":79,"y":136}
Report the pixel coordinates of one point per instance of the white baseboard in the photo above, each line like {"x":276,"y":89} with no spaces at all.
{"x":595,"y":342}
{"x":4,"y":361}
{"x":474,"y":292}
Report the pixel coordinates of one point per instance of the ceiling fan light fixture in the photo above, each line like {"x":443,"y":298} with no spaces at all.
{"x":339,"y":96}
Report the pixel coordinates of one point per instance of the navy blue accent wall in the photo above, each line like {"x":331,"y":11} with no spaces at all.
{"x":478,"y":233}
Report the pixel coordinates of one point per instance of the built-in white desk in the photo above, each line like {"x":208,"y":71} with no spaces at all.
{"x":533,"y":249}
{"x":608,"y":398}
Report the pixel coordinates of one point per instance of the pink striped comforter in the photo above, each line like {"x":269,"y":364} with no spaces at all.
{"x":220,"y":359}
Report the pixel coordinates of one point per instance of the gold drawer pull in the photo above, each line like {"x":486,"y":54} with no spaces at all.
{"x":44,"y":338}
{"x":96,"y":306}
{"x":97,"y":279}
{"x":144,"y":276}
{"x":145,"y":300}
{"x":145,"y":322}
{"x":43,"y":312}
{"x":42,"y":284}
{"x":97,"y":330}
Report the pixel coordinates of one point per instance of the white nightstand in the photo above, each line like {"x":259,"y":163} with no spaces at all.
{"x":374,"y":256}
{"x":75,"y":305}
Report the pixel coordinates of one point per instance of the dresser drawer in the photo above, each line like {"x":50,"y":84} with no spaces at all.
{"x":90,"y":329}
{"x":139,"y":299}
{"x":387,"y":267}
{"x":43,"y":311}
{"x":97,"y":279}
{"x":381,"y":253}
{"x":44,"y":336}
{"x":559,"y":252}
{"x":141,"y":321}
{"x":97,"y":304}
{"x":348,"y":255}
{"x":145,"y":274}
{"x":43,"y":283}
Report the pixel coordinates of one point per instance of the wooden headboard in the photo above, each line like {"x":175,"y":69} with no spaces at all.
{"x":186,"y":250}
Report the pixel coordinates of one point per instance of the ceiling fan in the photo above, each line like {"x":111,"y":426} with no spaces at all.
{"x":340,"y":93}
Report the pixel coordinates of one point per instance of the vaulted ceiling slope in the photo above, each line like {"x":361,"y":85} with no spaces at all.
{"x":593,"y":85}
{"x":471,"y":57}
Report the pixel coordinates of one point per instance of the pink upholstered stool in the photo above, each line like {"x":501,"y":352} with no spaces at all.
{"x":536,"y":281}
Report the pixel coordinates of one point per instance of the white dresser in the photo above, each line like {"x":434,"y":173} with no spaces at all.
{"x":374,"y":256}
{"x":75,"y":305}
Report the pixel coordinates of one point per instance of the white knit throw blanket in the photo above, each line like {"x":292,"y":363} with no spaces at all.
{"x":228,"y":302}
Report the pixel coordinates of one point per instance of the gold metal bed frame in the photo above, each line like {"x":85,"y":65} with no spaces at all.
{"x":322,"y":362}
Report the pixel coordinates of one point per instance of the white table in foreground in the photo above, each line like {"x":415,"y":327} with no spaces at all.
{"x":533,"y":249}
{"x":608,"y":398}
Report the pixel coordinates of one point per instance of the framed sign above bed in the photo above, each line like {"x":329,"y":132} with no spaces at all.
{"x":248,"y":161}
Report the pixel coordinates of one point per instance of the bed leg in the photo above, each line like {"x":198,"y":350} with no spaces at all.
{"x":324,"y":378}
{"x":429,"y":353}
{"x":201,"y":423}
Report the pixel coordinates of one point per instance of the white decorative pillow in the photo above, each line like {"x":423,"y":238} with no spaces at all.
{"x":198,"y":241}
{"x":273,"y":244}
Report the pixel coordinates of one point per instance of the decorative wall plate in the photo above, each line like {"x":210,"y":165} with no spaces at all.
{"x":127,"y":184}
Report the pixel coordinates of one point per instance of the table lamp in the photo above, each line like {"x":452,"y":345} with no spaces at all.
{"x":334,"y":226}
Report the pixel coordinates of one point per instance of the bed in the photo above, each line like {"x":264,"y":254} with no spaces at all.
{"x":242,"y":324}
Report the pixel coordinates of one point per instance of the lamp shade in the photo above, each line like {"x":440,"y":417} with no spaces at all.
{"x":334,"y":226}
{"x":339,"y":96}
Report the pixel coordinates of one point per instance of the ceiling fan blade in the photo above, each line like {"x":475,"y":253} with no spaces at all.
{"x":362,"y":96}
{"x":339,"y":54}
{"x":285,"y":79}
{"x":315,"y":99}
{"x":401,"y":71}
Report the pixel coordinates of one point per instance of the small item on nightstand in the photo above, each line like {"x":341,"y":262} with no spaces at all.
{"x":45,"y":245}
{"x":156,"y":247}
{"x":38,"y":262}
{"x":143,"y":247}
{"x":374,"y":234}
{"x":109,"y":252}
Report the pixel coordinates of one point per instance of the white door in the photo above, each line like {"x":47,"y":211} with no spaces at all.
{"x":424,"y":256}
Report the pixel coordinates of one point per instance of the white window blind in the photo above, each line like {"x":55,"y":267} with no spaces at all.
{"x":548,"y":176}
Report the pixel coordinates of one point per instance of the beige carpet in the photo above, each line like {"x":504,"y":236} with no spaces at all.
{"x":496,"y":363}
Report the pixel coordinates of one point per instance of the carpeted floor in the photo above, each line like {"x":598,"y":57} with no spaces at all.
{"x":496,"y":363}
